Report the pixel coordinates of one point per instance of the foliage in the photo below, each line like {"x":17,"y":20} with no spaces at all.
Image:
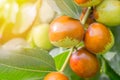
{"x":25,"y":64}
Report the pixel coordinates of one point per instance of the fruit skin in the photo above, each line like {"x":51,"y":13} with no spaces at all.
{"x":40,"y":36}
{"x":55,"y":76}
{"x":87,"y":3}
{"x":66,"y":32}
{"x":84,"y":63}
{"x":81,"y":1}
{"x":108,"y":12}
{"x":98,"y":38}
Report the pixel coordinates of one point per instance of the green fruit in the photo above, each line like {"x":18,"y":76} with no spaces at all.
{"x":29,"y":39}
{"x":108,"y":12}
{"x":87,"y":3}
{"x":40,"y":36}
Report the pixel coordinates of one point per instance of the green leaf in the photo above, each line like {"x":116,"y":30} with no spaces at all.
{"x":110,"y":72}
{"x":113,"y":56}
{"x":26,"y":64}
{"x":55,"y":51}
{"x":107,"y":72}
{"x":60,"y":59}
{"x":66,"y":7}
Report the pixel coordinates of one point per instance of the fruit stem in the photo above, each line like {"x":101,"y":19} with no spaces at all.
{"x":103,"y":66}
{"x":67,"y":59}
{"x":83,"y":21}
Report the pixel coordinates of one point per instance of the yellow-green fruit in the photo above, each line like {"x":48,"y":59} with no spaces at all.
{"x":40,"y":36}
{"x":108,"y":12}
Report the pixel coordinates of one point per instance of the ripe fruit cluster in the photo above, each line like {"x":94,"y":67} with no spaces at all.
{"x":98,"y":39}
{"x":68,"y":32}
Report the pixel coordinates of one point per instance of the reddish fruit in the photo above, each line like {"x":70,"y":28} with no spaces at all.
{"x":55,"y":76}
{"x":66,"y":32}
{"x":80,"y":1}
{"x":98,"y":38}
{"x":87,"y":3}
{"x":84,"y":63}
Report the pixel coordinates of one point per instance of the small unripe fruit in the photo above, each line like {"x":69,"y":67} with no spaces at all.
{"x":98,"y":38}
{"x":88,"y":3}
{"x":84,"y":63}
{"x":55,"y":76}
{"x":108,"y":12}
{"x":40,"y":37}
{"x":66,"y":32}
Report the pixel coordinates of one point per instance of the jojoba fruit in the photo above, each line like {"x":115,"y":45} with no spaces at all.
{"x":108,"y":12}
{"x":87,"y":3}
{"x":66,"y":32}
{"x":98,"y":38}
{"x":84,"y":63}
{"x":55,"y":76}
